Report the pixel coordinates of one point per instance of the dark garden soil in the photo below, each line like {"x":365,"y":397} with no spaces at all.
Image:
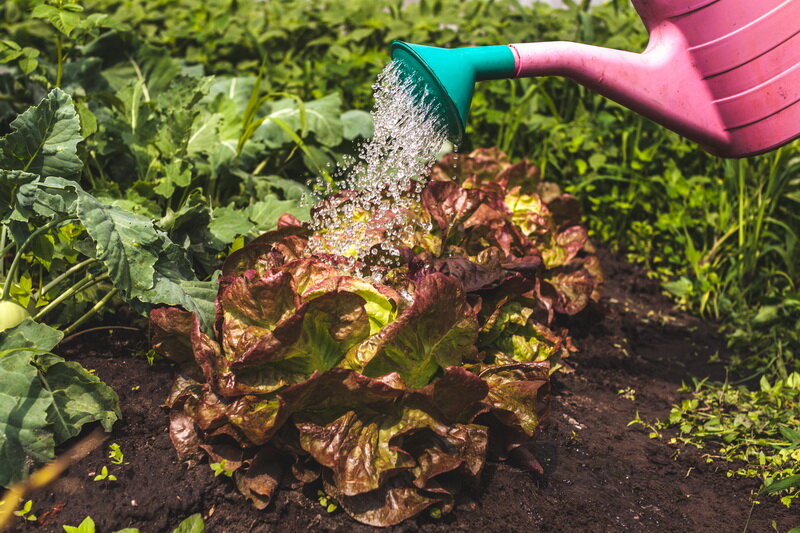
{"x":600,"y":474}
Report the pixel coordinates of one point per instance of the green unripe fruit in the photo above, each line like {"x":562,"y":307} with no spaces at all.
{"x":11,"y":314}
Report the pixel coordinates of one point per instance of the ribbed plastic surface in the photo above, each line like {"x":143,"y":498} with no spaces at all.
{"x":725,"y":73}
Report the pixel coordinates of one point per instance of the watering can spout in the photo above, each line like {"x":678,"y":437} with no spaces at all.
{"x":723,"y":73}
{"x":448,"y":76}
{"x":660,"y":84}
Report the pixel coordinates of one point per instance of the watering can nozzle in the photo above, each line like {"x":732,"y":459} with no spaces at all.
{"x":445,"y":78}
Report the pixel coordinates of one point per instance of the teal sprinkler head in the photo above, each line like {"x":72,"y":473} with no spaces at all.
{"x":449,"y":76}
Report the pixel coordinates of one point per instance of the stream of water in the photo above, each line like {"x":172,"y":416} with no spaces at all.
{"x":382,"y":185}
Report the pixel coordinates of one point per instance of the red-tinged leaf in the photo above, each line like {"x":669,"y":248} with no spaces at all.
{"x":182,"y":425}
{"x":356,"y":447}
{"x":450,"y":205}
{"x":171,"y":334}
{"x":461,"y":446}
{"x":251,"y":307}
{"x":258,"y":418}
{"x":261,"y":479}
{"x":394,"y":502}
{"x":225,"y":450}
{"x":517,"y":393}
{"x":268,"y":250}
{"x":458,"y":394}
{"x":574,"y":290}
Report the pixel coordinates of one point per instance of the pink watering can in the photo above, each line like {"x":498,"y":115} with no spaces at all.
{"x":724,"y":73}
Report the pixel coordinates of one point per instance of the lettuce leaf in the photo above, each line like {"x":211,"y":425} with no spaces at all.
{"x":392,"y":385}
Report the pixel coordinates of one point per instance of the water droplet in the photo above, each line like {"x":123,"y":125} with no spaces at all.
{"x":380,"y":190}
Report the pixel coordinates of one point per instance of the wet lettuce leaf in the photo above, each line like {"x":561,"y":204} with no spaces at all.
{"x":392,"y":389}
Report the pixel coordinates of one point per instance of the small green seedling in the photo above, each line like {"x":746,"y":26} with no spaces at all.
{"x":115,"y":454}
{"x":327,"y":502}
{"x":87,"y":526}
{"x":628,"y":393}
{"x":221,"y":468}
{"x":435,"y":513}
{"x":105,"y":475}
{"x":151,"y":356}
{"x":654,"y":428}
{"x":25,"y":512}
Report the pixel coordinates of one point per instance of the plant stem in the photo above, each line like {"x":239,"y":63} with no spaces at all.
{"x":93,"y":311}
{"x":83,"y":284}
{"x":260,"y":167}
{"x":12,"y":270}
{"x":141,"y":78}
{"x":98,"y":166}
{"x":64,"y":275}
{"x":98,"y":328}
{"x":3,"y":250}
{"x":59,"y":58}
{"x":7,"y":248}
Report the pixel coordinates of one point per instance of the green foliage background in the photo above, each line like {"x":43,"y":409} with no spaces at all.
{"x":723,"y":234}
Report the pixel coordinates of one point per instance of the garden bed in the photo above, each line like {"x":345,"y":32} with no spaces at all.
{"x":600,"y":474}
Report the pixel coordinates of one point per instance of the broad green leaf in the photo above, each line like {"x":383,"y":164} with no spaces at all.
{"x":34,"y":382}
{"x":78,"y":398}
{"x":193,"y":524}
{"x":173,"y":175}
{"x":63,"y":20}
{"x":10,"y":182}
{"x":24,"y":433}
{"x":322,"y":118}
{"x":48,"y":197}
{"x":205,"y":133}
{"x":29,"y":334}
{"x":88,"y":120}
{"x":265,"y":214}
{"x":176,"y":107}
{"x":124,"y":243}
{"x":24,"y":402}
{"x":44,"y":139}
{"x":286,"y":188}
{"x":357,"y":123}
{"x":176,"y":284}
{"x":202,"y":295}
{"x":227,"y":223}
{"x":236,"y":89}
